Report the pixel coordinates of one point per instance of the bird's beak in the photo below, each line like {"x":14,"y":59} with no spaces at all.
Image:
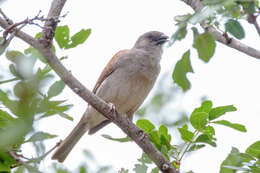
{"x":162,"y":39}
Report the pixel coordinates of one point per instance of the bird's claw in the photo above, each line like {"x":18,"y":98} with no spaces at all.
{"x":112,"y":107}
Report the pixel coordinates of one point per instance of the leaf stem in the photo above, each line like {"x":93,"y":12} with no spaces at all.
{"x":9,"y":80}
{"x":188,"y":144}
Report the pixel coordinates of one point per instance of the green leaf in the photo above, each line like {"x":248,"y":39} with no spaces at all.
{"x":40,"y":136}
{"x":163,"y":131}
{"x":205,"y":45}
{"x":125,"y":139}
{"x":56,"y":88}
{"x":13,"y":71}
{"x":37,"y":36}
{"x":204,"y":13}
{"x":186,"y":135}
{"x":195,"y":147}
{"x":145,"y":125}
{"x":140,"y":168}
{"x":234,"y":28}
{"x":145,"y":159}
{"x":219,"y":111}
{"x":199,"y":120}
{"x":62,"y":36}
{"x":34,"y":52}
{"x":254,"y":150}
{"x":79,"y":38}
{"x":235,"y":126}
{"x":64,"y":115}
{"x":178,"y":35}
{"x":182,"y":67}
{"x":155,"y":138}
{"x":233,"y":159}
{"x":13,"y":55}
{"x":203,"y":138}
{"x":155,"y":170}
{"x":4,"y":168}
{"x":210,"y":131}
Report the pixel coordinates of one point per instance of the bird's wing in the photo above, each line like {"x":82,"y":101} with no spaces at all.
{"x":108,"y":70}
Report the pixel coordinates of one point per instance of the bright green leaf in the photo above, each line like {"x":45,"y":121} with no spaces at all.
{"x":205,"y":45}
{"x":56,"y":88}
{"x":234,"y":28}
{"x":5,"y":168}
{"x":221,"y":110}
{"x":125,"y":139}
{"x":206,"y":106}
{"x":182,"y":67}
{"x":145,"y":125}
{"x":62,"y":36}
{"x":254,"y":150}
{"x":235,"y":126}
{"x":186,"y":135}
{"x":40,"y":136}
{"x":155,"y":138}
{"x":203,"y":138}
{"x":199,"y":120}
{"x":163,"y":131}
{"x":210,"y":131}
{"x":79,"y":38}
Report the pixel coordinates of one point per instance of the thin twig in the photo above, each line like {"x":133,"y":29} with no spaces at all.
{"x":9,"y":80}
{"x":44,"y":155}
{"x":9,"y":21}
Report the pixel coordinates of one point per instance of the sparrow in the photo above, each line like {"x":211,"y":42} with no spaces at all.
{"x":125,"y":82}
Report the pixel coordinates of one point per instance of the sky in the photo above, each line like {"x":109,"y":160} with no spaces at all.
{"x":229,"y":78}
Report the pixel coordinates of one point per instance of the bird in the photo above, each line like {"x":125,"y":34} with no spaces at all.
{"x":125,"y":82}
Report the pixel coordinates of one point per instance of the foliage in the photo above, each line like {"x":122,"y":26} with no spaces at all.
{"x":223,"y":15}
{"x":201,"y":133}
{"x":247,"y":161}
{"x":27,"y":98}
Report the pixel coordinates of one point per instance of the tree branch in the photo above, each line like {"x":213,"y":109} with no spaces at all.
{"x":252,"y":19}
{"x":43,"y":46}
{"x":233,"y":43}
{"x":50,"y":25}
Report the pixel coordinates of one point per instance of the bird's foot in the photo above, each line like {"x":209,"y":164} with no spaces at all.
{"x":112,"y":108}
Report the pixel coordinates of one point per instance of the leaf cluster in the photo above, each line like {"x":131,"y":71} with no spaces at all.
{"x":29,"y":97}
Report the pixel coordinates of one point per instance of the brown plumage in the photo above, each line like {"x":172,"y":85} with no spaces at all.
{"x":125,"y":81}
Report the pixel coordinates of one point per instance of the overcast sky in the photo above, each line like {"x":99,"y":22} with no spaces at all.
{"x":229,"y":78}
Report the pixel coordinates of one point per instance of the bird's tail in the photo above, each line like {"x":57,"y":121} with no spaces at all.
{"x":67,"y":144}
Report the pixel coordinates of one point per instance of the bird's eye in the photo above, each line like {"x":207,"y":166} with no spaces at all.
{"x":150,"y":36}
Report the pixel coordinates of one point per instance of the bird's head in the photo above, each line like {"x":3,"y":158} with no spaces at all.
{"x":152,"y":40}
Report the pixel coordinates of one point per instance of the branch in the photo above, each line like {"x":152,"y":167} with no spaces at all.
{"x":252,"y":19}
{"x":43,"y":46}
{"x":233,"y":43}
{"x":50,"y":25}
